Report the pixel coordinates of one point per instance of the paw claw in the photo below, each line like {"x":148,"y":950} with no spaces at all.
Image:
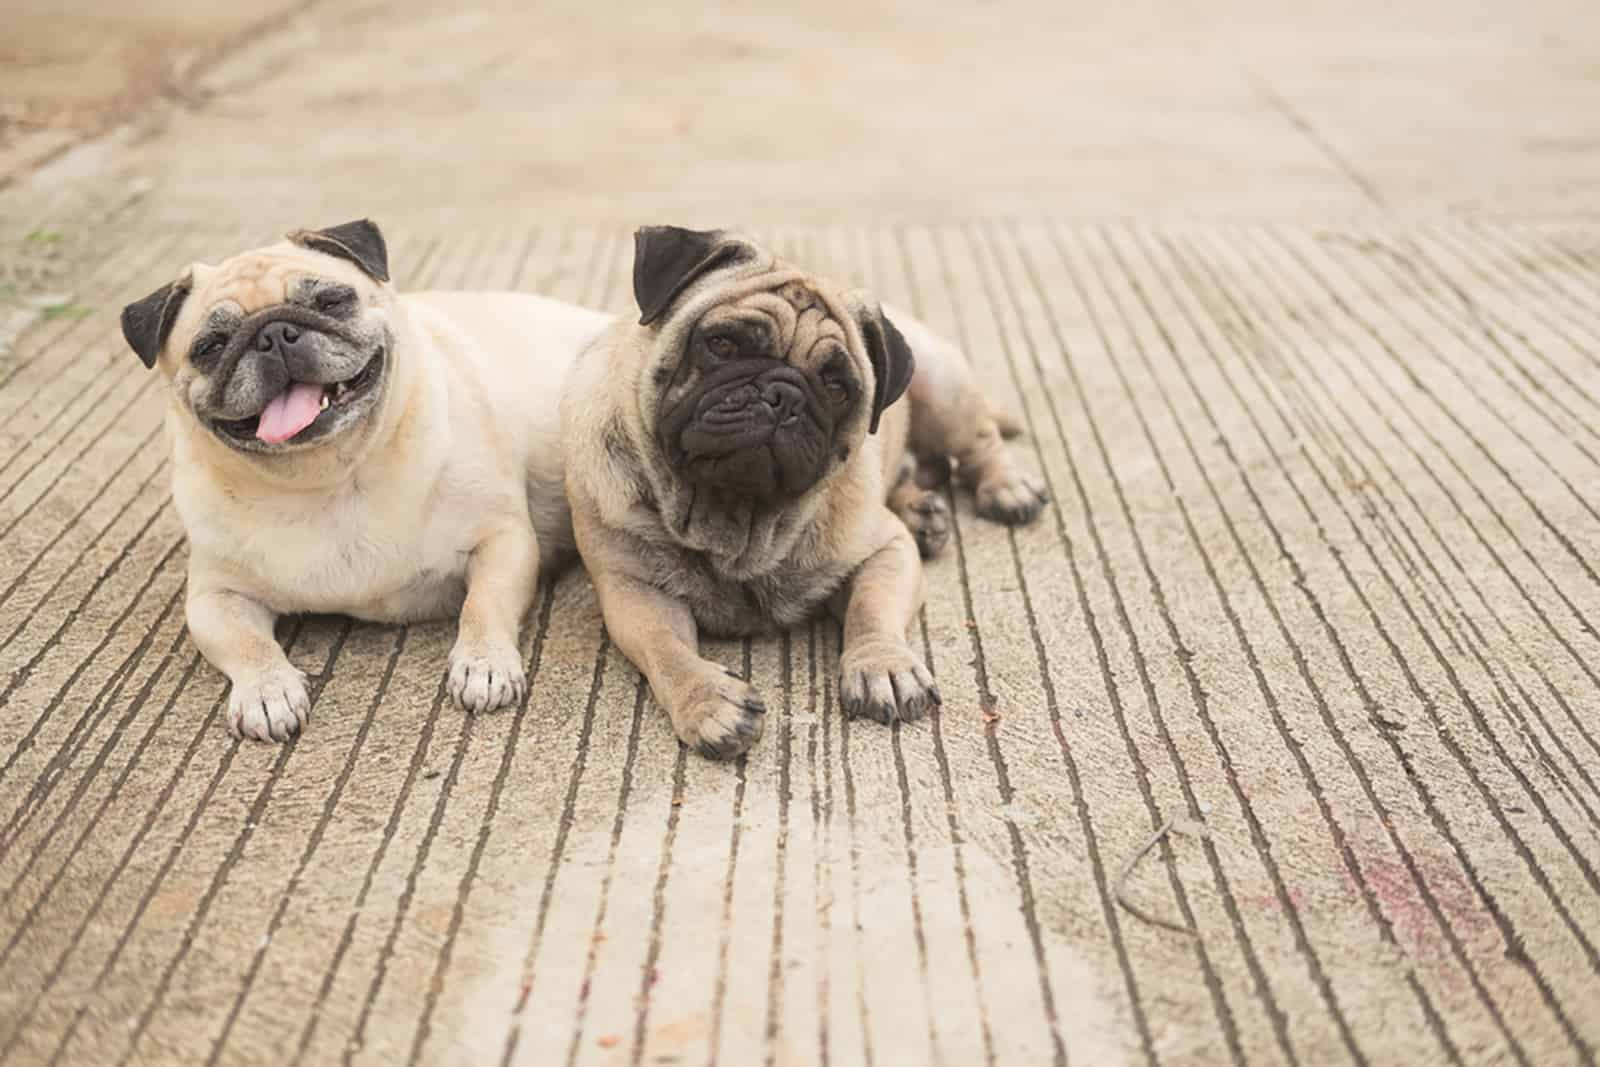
{"x":878,"y":712}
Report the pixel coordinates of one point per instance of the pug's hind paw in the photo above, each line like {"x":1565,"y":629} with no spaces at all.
{"x":483,"y":678}
{"x":927,"y":516}
{"x":722,"y":718}
{"x":883,"y":680}
{"x":271,"y":706}
{"x":1014,"y":501}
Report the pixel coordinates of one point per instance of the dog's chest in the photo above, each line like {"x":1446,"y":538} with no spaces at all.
{"x":734,"y":607}
{"x":343,"y":558}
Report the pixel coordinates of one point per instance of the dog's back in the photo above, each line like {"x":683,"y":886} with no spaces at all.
{"x":517,"y":351}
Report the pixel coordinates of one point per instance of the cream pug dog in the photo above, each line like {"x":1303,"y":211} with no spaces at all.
{"x":339,"y":447}
{"x":736,"y":459}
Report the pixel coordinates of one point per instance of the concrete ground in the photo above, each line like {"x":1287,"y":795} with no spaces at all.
{"x":1302,"y":312}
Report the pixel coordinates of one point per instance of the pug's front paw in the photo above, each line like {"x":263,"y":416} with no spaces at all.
{"x":486,"y":677}
{"x":1015,"y":499}
{"x":722,"y":717}
{"x":883,"y":680}
{"x":270,"y":706}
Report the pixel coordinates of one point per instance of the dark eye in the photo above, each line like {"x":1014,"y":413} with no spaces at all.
{"x":722,"y":347}
{"x":838,"y":392}
{"x":335,"y":299}
{"x":210,"y":346}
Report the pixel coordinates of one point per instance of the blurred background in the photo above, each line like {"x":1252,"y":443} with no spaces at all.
{"x":284,"y":112}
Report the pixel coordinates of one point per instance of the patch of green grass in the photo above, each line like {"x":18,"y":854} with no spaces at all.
{"x":64,"y":311}
{"x":8,"y":291}
{"x":43,"y":237}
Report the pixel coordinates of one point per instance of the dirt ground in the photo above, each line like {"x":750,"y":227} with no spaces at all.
{"x":1300,"y":306}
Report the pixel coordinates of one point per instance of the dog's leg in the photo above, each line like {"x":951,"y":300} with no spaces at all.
{"x":879,"y":676}
{"x":923,"y":511}
{"x":486,"y":669}
{"x":957,"y":422}
{"x":985,"y":464}
{"x":951,"y":417}
{"x":714,"y":711}
{"x":268,"y":699}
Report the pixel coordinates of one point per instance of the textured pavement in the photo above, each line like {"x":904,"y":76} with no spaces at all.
{"x":1314,"y":597}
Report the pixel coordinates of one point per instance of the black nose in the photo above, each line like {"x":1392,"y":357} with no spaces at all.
{"x":282,"y":336}
{"x":785,"y":398}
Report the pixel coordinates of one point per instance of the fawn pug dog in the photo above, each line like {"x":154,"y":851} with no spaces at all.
{"x":340,"y":447}
{"x":736,"y":458}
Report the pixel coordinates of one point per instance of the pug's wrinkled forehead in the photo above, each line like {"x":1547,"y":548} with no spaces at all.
{"x":792,"y":321}
{"x":274,"y":275}
{"x":311,"y":267}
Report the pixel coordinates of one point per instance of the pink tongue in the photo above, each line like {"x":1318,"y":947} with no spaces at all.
{"x":290,"y":412}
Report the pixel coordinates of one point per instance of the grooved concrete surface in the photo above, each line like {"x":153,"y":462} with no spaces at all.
{"x":1316,"y":588}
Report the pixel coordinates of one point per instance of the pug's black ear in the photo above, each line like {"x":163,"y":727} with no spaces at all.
{"x":361,"y":242}
{"x":666,"y":259}
{"x":892,"y":361}
{"x":146,"y":323}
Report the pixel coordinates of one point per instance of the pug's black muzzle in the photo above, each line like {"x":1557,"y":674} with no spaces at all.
{"x":754,"y":427}
{"x":278,"y":345}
